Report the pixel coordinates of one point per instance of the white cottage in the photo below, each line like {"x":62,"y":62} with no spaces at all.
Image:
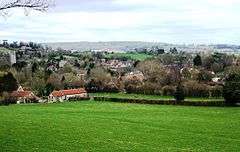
{"x":67,"y":94}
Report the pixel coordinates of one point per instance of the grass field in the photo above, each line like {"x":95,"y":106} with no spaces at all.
{"x":150,"y":97}
{"x":133,"y":56}
{"x":94,"y":126}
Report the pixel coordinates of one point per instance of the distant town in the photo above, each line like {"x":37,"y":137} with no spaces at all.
{"x":127,"y":67}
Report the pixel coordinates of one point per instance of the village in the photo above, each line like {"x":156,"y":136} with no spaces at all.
{"x":119,"y":75}
{"x":43,"y":74}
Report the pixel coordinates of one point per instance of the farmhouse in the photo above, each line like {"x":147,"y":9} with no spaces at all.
{"x":24,"y":96}
{"x":67,"y":94}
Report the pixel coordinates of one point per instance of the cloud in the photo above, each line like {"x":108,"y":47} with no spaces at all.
{"x":173,"y":21}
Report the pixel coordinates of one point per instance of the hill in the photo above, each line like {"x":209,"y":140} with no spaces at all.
{"x":96,"y":126}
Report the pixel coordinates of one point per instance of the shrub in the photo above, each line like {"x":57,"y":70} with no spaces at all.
{"x":231,"y":89}
{"x":151,"y":89}
{"x":7,"y":100}
{"x":216,"y":91}
{"x":196,"y":89}
{"x":161,"y":102}
{"x":179,"y":94}
{"x":168,"y":90}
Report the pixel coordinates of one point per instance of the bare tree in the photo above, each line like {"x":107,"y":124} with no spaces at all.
{"x":39,"y":5}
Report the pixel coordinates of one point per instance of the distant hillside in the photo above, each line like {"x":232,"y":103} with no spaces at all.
{"x":117,"y":46}
{"x":131,"y":45}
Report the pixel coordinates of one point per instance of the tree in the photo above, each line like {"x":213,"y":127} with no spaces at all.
{"x":100,"y":80}
{"x":48,"y":89}
{"x":197,"y":60}
{"x":231,"y":89}
{"x":8,"y":83}
{"x":204,"y":75}
{"x":160,"y":51}
{"x":179,"y":94}
{"x":55,"y":81}
{"x":34,"y":67}
{"x":173,"y":50}
{"x":154,"y":72}
{"x":39,"y":5}
{"x":20,"y":65}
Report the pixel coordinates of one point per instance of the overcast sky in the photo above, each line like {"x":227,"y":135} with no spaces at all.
{"x":172,"y":21}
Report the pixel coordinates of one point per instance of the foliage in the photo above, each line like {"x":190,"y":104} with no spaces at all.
{"x":7,"y":99}
{"x":48,"y":89}
{"x":154,"y":72}
{"x":216,"y":91}
{"x":197,"y":61}
{"x":8,"y":83}
{"x":179,"y":94}
{"x":168,"y":90}
{"x":100,"y":80}
{"x":204,"y":75}
{"x":132,"y":85}
{"x":196,"y":89}
{"x":231,"y":90}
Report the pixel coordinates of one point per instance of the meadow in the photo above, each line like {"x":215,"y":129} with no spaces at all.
{"x":103,"y":126}
{"x":131,"y":56}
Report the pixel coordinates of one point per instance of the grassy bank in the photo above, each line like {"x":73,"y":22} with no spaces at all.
{"x":94,"y":126}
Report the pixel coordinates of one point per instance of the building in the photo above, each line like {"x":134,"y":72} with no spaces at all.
{"x":63,"y":95}
{"x":62,"y":63}
{"x":24,"y":96}
{"x":7,"y":57}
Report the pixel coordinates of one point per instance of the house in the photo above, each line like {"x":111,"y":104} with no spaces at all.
{"x":62,"y":63}
{"x":24,"y":96}
{"x":7,"y":57}
{"x":62,"y":95}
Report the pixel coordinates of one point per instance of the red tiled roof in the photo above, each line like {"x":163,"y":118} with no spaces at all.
{"x":22,"y":94}
{"x":57,"y":93}
{"x":68,"y":92}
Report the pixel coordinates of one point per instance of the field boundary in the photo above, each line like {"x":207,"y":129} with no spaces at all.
{"x":162,"y":102}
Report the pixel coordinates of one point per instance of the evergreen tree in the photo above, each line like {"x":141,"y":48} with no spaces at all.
{"x":48,"y":89}
{"x":197,"y":61}
{"x":179,"y":94}
{"x":34,"y":67}
{"x":8,"y":83}
{"x":173,"y":50}
{"x":231,"y":89}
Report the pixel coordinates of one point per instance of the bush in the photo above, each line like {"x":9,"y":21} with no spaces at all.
{"x":196,"y":89}
{"x":133,"y":85}
{"x":179,"y":94}
{"x":150,"y":88}
{"x":216,"y":91}
{"x":161,"y":102}
{"x":231,"y":89}
{"x":7,"y":100}
{"x":168,"y":90}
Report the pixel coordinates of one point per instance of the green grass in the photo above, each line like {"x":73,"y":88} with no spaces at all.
{"x":132,"y":56}
{"x":150,"y":97}
{"x":95,"y":126}
{"x":131,"y":96}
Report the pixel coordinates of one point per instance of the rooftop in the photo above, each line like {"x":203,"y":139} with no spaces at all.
{"x":61,"y":93}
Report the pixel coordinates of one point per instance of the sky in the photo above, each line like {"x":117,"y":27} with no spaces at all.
{"x":170,"y":21}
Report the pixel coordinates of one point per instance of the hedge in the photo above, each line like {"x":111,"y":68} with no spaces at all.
{"x":162,"y":102}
